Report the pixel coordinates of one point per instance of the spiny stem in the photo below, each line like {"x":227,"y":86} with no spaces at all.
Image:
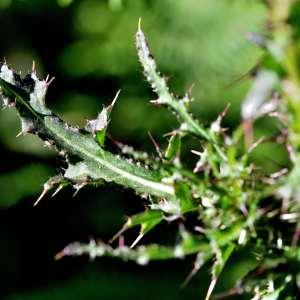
{"x":192,"y":126}
{"x":165,"y":97}
{"x":188,"y":246}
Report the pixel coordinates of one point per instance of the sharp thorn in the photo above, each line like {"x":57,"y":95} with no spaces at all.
{"x":190,"y":89}
{"x":57,"y":191}
{"x":255,"y":144}
{"x":50,"y":81}
{"x":140,"y":236}
{"x":119,"y":233}
{"x":224,"y":112}
{"x":33,"y":67}
{"x":59,"y":255}
{"x":19,"y":134}
{"x":40,"y":197}
{"x":110,"y":107}
{"x":121,"y":242}
{"x":189,"y":277}
{"x":75,"y":193}
{"x":196,"y":152}
{"x":155,"y":102}
{"x":211,"y":288}
{"x":156,"y":146}
{"x":116,"y":98}
{"x":173,"y":132}
{"x":78,"y":188}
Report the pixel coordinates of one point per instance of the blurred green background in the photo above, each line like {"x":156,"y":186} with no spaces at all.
{"x":89,"y":47}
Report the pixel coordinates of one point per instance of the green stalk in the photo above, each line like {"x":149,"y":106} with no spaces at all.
{"x":165,"y":97}
{"x":143,"y":254}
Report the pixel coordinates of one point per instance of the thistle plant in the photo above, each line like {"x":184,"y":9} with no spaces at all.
{"x":236,"y":206}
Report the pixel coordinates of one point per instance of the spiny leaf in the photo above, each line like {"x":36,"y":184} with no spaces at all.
{"x":98,"y":163}
{"x":178,"y":106}
{"x":98,"y":126}
{"x":159,"y":86}
{"x":147,"y":220}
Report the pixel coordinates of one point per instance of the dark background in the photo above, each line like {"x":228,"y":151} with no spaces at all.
{"x":89,"y":47}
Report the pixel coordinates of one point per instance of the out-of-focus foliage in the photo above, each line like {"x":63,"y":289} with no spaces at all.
{"x":13,"y":189}
{"x":216,"y":31}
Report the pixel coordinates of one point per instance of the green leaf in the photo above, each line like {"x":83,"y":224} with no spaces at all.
{"x":160,"y":87}
{"x":174,"y":146}
{"x":183,"y":193}
{"x":98,"y":163}
{"x":147,"y":220}
{"x":148,"y":216}
{"x":100,"y":137}
{"x":98,"y":126}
